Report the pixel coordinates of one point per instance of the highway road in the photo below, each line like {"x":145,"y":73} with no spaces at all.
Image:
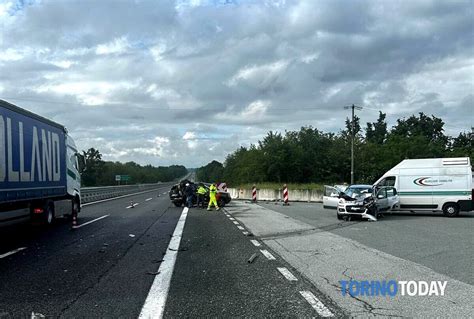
{"x":108,"y":267}
{"x":400,"y":247}
{"x":154,"y":259}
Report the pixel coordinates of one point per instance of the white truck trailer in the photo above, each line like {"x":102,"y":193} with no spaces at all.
{"x":434,"y":184}
{"x":39,"y":175}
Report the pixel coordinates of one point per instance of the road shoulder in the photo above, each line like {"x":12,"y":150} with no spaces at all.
{"x":326,"y":258}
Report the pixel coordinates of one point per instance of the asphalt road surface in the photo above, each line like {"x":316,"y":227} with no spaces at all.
{"x":109,"y":265}
{"x":443,"y":244}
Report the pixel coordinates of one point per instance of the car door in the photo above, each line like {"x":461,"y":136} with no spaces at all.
{"x":381,"y":199}
{"x":330,"y":197}
{"x":392,"y":197}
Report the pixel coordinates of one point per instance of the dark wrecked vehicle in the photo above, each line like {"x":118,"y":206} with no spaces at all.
{"x":178,"y":198}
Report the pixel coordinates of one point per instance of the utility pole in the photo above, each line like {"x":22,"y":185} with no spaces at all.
{"x":353,"y":107}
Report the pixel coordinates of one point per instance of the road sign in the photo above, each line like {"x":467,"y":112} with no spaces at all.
{"x":122,"y":178}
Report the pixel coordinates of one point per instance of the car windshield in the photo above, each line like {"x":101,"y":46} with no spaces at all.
{"x":357,"y":191}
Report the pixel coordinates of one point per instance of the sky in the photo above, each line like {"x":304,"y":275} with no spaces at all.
{"x":188,"y":82}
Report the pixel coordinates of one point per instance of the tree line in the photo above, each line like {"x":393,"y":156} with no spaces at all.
{"x":96,"y":172}
{"x":313,"y":156}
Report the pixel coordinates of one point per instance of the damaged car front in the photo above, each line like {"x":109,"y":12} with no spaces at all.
{"x":366,"y":201}
{"x":351,"y":201}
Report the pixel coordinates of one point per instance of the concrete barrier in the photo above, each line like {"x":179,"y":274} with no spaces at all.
{"x":304,"y":195}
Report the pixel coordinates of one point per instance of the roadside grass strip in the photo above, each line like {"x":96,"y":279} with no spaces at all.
{"x":316,"y":304}
{"x":12,"y":252}
{"x":287,"y":274}
{"x":267,"y":254}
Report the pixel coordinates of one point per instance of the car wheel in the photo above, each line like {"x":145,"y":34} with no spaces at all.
{"x":177,"y":204}
{"x":339,"y":216}
{"x":450,"y":209}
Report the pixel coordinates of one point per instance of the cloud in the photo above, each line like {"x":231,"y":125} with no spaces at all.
{"x":190,"y":81}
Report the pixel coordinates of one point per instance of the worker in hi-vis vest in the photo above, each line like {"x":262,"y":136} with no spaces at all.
{"x":201,"y":194}
{"x":212,"y":197}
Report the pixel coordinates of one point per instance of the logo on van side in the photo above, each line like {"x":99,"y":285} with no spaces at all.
{"x":426,"y":181}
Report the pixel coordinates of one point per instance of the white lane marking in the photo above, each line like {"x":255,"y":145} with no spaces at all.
{"x":90,"y":222}
{"x":12,"y":252}
{"x":232,"y":218}
{"x":164,"y":193}
{"x":287,"y":274}
{"x":131,"y":206}
{"x":240,"y":227}
{"x":118,"y":197}
{"x":255,"y":243}
{"x":148,"y":199}
{"x":246,"y":233}
{"x":267,"y":254}
{"x":236,"y":222}
{"x":316,"y":304}
{"x":156,"y":300}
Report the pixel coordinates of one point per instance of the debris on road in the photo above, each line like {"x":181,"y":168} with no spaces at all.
{"x":154,"y":273}
{"x":181,"y":249}
{"x":252,"y":258}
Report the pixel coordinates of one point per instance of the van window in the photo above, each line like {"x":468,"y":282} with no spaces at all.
{"x":387,"y":181}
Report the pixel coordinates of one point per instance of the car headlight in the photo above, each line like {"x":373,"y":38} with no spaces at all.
{"x":342,"y":201}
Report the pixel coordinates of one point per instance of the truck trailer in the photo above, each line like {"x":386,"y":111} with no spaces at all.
{"x":433,"y":184}
{"x":39,"y":173}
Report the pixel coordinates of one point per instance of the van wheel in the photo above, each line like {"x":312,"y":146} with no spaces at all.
{"x":450,"y":209}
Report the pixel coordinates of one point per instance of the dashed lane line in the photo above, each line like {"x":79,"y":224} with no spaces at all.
{"x":132,"y":206}
{"x":246,"y":233}
{"x":287,"y":274}
{"x":90,"y":222}
{"x":148,"y":199}
{"x":240,"y":227}
{"x":236,"y":223}
{"x":155,"y":302}
{"x":267,"y":254}
{"x":316,"y":304}
{"x":12,"y":252}
{"x":255,"y":243}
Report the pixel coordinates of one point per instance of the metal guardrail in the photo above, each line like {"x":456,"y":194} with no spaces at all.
{"x":92,"y":194}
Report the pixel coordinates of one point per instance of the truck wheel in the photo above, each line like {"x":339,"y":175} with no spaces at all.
{"x":48,"y":214}
{"x":450,"y":209}
{"x":74,"y":208}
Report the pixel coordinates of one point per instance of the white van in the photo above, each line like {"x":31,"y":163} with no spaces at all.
{"x":434,"y":184}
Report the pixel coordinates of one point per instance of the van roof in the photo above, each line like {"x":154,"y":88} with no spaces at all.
{"x":434,"y":162}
